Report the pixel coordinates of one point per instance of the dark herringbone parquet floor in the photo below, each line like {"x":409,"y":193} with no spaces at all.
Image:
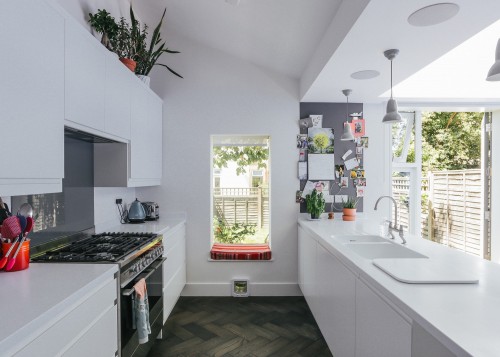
{"x":230,"y":327}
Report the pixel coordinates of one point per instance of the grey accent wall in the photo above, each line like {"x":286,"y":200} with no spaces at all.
{"x":334,"y":115}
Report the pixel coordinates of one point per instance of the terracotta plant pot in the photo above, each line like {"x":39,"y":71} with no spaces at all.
{"x":349,"y":214}
{"x":131,"y":64}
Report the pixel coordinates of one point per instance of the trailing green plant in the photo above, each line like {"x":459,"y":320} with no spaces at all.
{"x":105,"y":24}
{"x":350,"y":203}
{"x":231,"y":234}
{"x":315,"y":203}
{"x":148,"y":56}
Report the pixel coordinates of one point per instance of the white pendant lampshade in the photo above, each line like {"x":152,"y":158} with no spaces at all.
{"x":392,"y":115}
{"x":494,"y":72}
{"x":347,"y":134}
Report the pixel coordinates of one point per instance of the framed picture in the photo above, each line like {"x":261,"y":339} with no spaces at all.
{"x":320,"y":140}
{"x":358,"y":127}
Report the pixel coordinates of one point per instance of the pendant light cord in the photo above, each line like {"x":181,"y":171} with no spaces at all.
{"x":391,"y":79}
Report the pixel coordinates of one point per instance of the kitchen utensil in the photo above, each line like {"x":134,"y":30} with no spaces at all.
{"x":12,"y":260}
{"x":136,"y":212}
{"x":25,"y":210}
{"x":22,"y":224}
{"x":11,"y":227}
{"x":29,"y":225}
{"x":5,"y":258}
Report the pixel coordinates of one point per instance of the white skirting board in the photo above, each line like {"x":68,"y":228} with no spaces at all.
{"x":256,"y":289}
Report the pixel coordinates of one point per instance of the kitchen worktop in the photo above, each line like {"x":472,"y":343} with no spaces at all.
{"x":464,"y":317}
{"x":163,"y":224}
{"x":36,"y":298}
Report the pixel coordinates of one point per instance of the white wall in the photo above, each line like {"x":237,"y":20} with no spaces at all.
{"x":105,"y":209}
{"x":224,"y":95}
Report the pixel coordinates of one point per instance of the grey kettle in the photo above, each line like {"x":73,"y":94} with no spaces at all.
{"x":136,"y":212}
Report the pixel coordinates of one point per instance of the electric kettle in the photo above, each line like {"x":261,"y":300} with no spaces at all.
{"x":136,"y":212}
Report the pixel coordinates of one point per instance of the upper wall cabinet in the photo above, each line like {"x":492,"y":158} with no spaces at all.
{"x":85,"y":78}
{"x":31,"y":97}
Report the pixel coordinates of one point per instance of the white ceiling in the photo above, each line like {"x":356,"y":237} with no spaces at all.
{"x":323,"y":41}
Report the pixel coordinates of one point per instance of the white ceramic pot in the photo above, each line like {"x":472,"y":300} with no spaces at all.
{"x":145,"y":79}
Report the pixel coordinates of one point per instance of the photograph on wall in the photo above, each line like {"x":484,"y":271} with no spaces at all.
{"x":364,"y":142}
{"x":320,"y":140}
{"x":360,"y":172}
{"x":339,"y":171}
{"x":298,"y":197}
{"x":359,"y":181}
{"x":344,"y":182}
{"x":360,"y":159}
{"x":322,"y":186}
{"x":305,"y":123}
{"x":302,"y":141}
{"x":309,"y":186}
{"x":351,"y":164}
{"x":358,"y":127}
{"x":317,"y":120}
{"x":360,"y":191}
{"x":359,"y":150}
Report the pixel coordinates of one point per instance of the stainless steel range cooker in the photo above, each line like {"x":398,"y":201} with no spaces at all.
{"x":138,"y":255}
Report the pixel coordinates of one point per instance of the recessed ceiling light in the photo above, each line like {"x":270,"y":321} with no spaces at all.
{"x":433,"y":14}
{"x":366,"y":74}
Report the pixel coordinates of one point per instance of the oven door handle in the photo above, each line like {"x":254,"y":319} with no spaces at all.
{"x":130,"y":291}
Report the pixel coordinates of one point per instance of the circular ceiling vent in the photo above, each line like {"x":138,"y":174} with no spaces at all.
{"x":433,"y":14}
{"x":366,"y":74}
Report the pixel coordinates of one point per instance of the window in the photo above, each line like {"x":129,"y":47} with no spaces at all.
{"x":240,"y":189}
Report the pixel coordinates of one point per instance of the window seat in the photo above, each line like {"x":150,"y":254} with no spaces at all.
{"x":221,"y":251}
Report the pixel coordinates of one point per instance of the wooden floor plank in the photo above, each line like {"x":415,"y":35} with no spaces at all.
{"x":241,"y":327}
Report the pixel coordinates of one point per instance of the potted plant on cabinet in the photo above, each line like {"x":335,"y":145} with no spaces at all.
{"x":349,"y":210}
{"x":128,"y":41}
{"x":315,"y":204}
{"x":147,"y":57}
{"x":105,"y":24}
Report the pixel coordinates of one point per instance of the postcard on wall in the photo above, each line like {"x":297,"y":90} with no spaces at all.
{"x":302,"y":155}
{"x":298,"y":197}
{"x":317,"y":120}
{"x":322,"y":186}
{"x":344,"y":182}
{"x":320,"y":140}
{"x":302,"y":141}
{"x":339,"y":171}
{"x":305,"y":123}
{"x":308,"y":188}
{"x":360,"y":172}
{"x":351,"y":164}
{"x":358,"y":127}
{"x":364,"y":141}
{"x":321,"y":167}
{"x":360,"y":191}
{"x":302,"y":169}
{"x":359,"y":150}
{"x":359,"y":181}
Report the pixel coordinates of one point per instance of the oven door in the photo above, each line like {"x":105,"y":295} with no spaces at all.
{"x":129,"y":336}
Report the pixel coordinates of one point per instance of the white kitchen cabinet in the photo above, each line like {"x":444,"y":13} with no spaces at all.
{"x":120,"y":83}
{"x":89,"y":329}
{"x":336,"y":303}
{"x":31,"y":97}
{"x":146,"y":138}
{"x":85,"y":77}
{"x":174,"y":268}
{"x":380,"y":330}
{"x":307,"y":267}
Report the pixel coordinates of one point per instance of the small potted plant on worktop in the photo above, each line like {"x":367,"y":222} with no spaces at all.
{"x":315,"y":204}
{"x":349,"y":209}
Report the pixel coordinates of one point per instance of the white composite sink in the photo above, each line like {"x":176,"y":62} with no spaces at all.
{"x":360,"y":239}
{"x":371,"y":250}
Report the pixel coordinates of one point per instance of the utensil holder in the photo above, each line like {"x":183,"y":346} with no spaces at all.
{"x":23,"y":257}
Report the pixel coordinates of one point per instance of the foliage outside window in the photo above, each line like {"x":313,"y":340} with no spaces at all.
{"x":240,"y":198}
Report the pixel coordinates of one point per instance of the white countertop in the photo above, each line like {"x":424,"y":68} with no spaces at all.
{"x":464,"y":317}
{"x":34,"y":299}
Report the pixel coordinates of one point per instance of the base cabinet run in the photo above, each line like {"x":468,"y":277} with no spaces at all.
{"x":354,"y":319}
{"x":174,"y":268}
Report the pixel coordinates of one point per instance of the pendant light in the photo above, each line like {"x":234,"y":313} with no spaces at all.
{"x":392,"y":115}
{"x":347,"y":134}
{"x":494,"y":72}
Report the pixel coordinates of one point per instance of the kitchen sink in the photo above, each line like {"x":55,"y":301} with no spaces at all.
{"x":360,"y":239}
{"x":373,"y":250}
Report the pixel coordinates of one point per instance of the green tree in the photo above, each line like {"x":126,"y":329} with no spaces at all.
{"x":243,"y":156}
